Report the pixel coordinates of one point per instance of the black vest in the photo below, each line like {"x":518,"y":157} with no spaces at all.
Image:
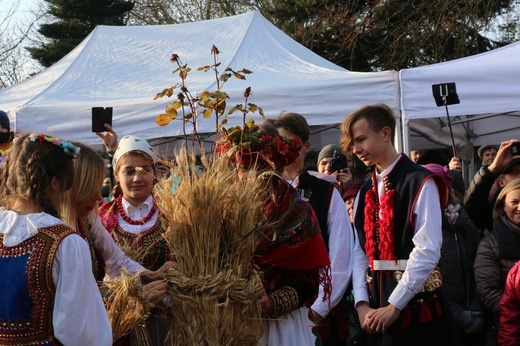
{"x":319,"y":193}
{"x":407,"y":179}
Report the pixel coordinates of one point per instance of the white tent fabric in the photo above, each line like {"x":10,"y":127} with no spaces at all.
{"x":125,"y":67}
{"x":489,"y":92}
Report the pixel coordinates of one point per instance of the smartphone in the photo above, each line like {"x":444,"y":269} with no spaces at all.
{"x":100,"y":117}
{"x":445,"y":93}
{"x":515,"y":149}
{"x":6,"y":137}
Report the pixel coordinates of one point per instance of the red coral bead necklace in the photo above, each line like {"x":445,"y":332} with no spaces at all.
{"x":142,"y":221}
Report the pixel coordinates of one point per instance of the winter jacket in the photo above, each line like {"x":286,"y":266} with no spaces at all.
{"x":509,"y":333}
{"x":477,"y":203}
{"x":496,"y":255}
{"x":459,"y":247}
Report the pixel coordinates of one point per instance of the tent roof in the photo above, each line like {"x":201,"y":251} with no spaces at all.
{"x":488,"y":89}
{"x":125,"y":67}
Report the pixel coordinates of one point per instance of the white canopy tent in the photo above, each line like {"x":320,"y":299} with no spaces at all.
{"x":125,"y":67}
{"x":489,"y":91}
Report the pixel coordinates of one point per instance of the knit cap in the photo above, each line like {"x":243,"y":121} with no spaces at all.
{"x":4,"y":120}
{"x":328,"y":151}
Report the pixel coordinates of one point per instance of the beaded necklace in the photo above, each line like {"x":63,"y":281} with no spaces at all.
{"x":127,"y":218}
{"x":379,"y":222}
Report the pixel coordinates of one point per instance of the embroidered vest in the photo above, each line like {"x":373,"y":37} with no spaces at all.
{"x":27,"y":289}
{"x":407,"y":179}
{"x":319,"y":194}
{"x":149,"y":248}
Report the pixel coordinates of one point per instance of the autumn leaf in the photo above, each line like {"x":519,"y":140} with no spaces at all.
{"x":261,"y":111}
{"x":225,"y":77}
{"x":250,"y":123}
{"x":219,"y":95}
{"x":207,"y":113}
{"x":204,"y":68}
{"x":238,"y":76}
{"x":252,"y":107}
{"x":246,"y":71}
{"x":236,"y":108}
{"x":162,"y":120}
{"x":171,"y":112}
{"x":184,"y":73}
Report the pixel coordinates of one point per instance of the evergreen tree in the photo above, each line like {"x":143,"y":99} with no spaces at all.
{"x":371,"y":35}
{"x":75,"y":20}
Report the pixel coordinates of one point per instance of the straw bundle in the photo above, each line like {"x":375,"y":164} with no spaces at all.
{"x":127,"y":308}
{"x":214,"y":228}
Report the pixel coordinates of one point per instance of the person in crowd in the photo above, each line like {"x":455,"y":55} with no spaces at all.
{"x":398,"y":222}
{"x":349,"y":196}
{"x":415,"y":155}
{"x":6,"y":136}
{"x":355,"y":332}
{"x":509,"y":332}
{"x":335,"y":228}
{"x":333,"y":162}
{"x":486,"y":184}
{"x":498,"y":252}
{"x":290,"y":276}
{"x":133,"y":219}
{"x":460,"y":240}
{"x":49,"y":295}
{"x":487,"y":154}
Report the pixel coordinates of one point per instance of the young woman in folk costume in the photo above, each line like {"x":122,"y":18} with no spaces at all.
{"x":48,"y":293}
{"x":133,"y":219}
{"x":291,"y":254}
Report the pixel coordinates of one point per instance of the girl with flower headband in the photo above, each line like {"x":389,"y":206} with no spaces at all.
{"x":48,"y":293}
{"x":132,"y":218}
{"x":290,"y":275}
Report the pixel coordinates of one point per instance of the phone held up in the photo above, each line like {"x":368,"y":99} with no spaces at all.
{"x":515,"y":149}
{"x":445,"y":94}
{"x":100,"y":117}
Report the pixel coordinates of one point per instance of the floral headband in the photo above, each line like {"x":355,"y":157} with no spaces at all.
{"x":241,"y":145}
{"x":69,"y":148}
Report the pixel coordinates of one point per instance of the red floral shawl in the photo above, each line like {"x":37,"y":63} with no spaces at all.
{"x":294,"y":244}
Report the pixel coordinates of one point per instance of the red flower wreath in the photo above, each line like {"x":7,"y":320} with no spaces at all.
{"x":249,"y":148}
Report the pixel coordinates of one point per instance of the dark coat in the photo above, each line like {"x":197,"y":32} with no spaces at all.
{"x":496,"y":255}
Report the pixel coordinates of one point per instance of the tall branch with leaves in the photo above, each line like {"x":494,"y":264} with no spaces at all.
{"x":211,"y":102}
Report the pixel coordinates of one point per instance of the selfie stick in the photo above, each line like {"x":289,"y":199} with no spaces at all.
{"x":449,"y":126}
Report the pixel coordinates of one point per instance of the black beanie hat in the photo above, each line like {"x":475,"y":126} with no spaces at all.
{"x":4,"y":120}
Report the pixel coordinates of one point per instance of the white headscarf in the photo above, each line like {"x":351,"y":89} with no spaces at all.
{"x":132,"y":143}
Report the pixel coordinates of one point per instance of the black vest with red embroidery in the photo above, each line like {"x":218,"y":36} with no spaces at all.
{"x":318,"y":192}
{"x":149,"y":248}
{"x":27,"y":289}
{"x":407,"y":179}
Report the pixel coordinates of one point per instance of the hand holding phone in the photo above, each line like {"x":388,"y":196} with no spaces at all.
{"x":100,"y":117}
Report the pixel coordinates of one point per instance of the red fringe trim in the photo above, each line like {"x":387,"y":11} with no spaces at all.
{"x":425,"y":313}
{"x":385,"y":227}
